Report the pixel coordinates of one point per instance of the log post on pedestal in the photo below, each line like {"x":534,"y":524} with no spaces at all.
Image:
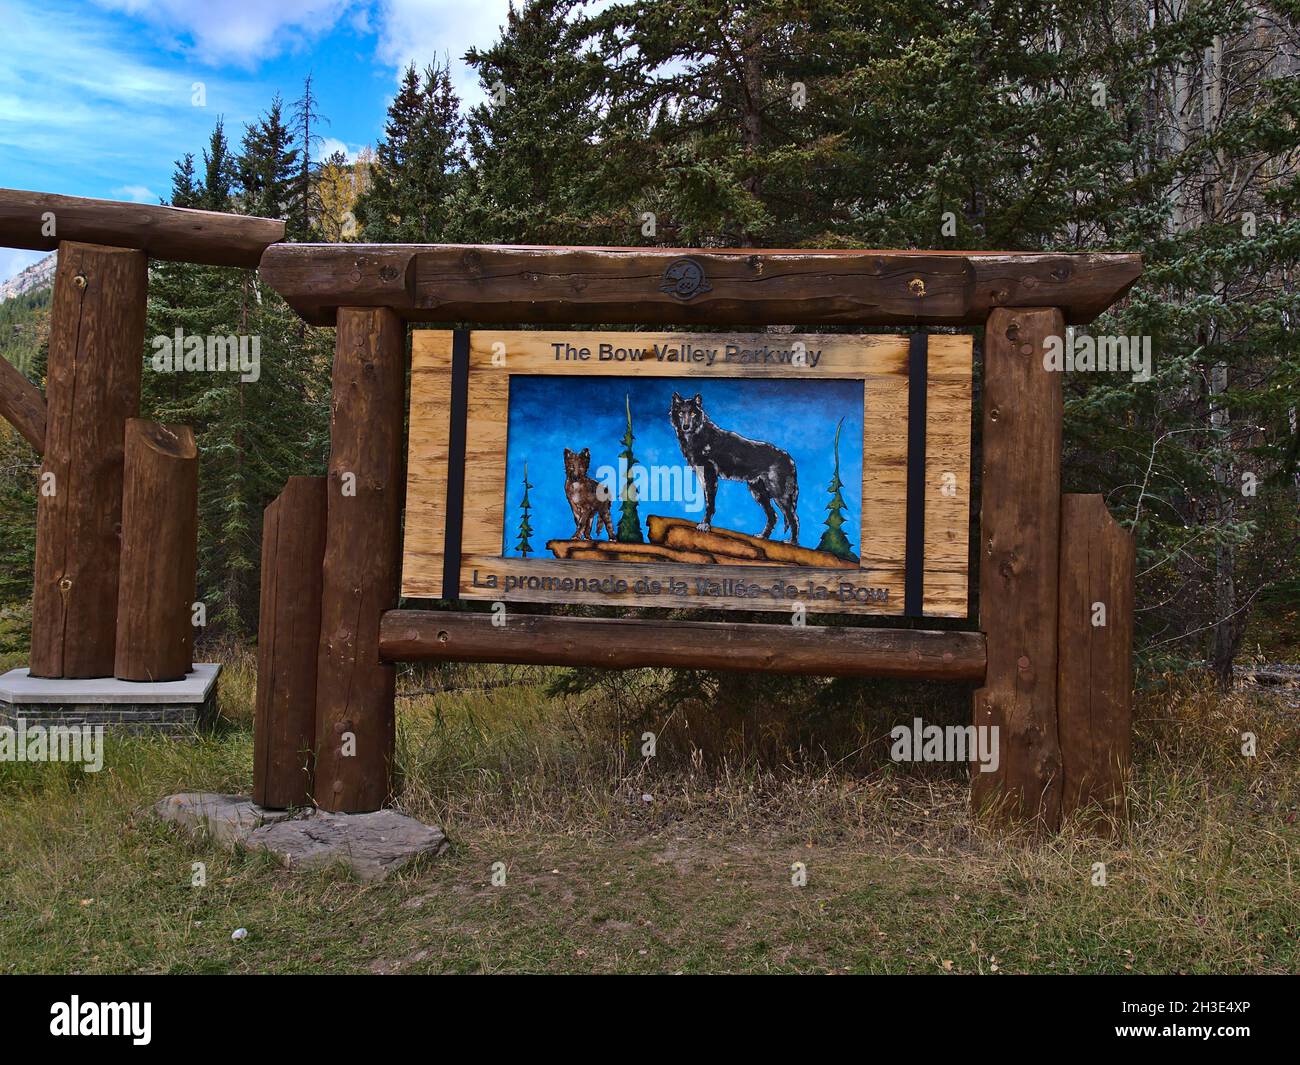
{"x":1019,"y":551}
{"x":93,"y":387}
{"x":355,"y":691}
{"x":288,"y":641}
{"x":1095,"y":670}
{"x":160,"y":529}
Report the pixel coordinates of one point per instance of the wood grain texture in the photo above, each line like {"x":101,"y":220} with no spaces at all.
{"x":178,"y":233}
{"x":746,"y":286}
{"x":93,"y":387}
{"x":879,"y":361}
{"x":22,"y":404}
{"x":160,"y":530}
{"x":1095,"y":661}
{"x":947,"y":477}
{"x":411,"y":635}
{"x":288,"y":642}
{"x":354,"y":690}
{"x":1019,"y":555}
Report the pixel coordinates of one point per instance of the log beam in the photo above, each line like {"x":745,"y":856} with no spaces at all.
{"x":93,"y":387}
{"x":354,"y":689}
{"x":288,"y":641}
{"x":22,"y":404}
{"x":40,"y":220}
{"x":1019,"y":555}
{"x":735,"y":287}
{"x":160,"y":529}
{"x":416,"y":635}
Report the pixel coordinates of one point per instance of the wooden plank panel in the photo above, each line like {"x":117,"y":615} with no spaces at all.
{"x":1095,"y":668}
{"x":1019,"y":556}
{"x":409,"y":635}
{"x":947,"y":453}
{"x":426,"y":467}
{"x":881,"y":361}
{"x":690,"y":286}
{"x":40,"y":220}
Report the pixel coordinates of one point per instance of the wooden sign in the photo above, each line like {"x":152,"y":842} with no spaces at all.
{"x":721,"y":471}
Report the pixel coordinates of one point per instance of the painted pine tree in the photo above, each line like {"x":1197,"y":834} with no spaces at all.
{"x":629,"y":520}
{"x":833,"y":539}
{"x":524,"y":546}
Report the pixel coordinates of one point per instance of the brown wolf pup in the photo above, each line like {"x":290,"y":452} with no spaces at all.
{"x":586,"y":497}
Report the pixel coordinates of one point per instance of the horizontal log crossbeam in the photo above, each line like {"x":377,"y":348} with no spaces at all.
{"x":530,"y":639}
{"x":39,"y":220}
{"x":640,"y":286}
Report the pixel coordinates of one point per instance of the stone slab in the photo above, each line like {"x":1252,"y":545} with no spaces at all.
{"x":176,"y":706}
{"x":17,"y":686}
{"x":371,"y":845}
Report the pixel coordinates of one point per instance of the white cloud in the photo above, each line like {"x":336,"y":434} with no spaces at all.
{"x":329,"y":145}
{"x":136,"y":193}
{"x":428,"y":31}
{"x":240,"y":32}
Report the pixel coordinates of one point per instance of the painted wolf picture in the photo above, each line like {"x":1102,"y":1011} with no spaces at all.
{"x":657,"y":473}
{"x":718,"y":453}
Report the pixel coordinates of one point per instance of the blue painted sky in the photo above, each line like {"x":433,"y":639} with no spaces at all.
{"x":551,"y":412}
{"x":96,"y":95}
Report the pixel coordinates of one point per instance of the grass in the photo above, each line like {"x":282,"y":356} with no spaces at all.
{"x":677,"y":864}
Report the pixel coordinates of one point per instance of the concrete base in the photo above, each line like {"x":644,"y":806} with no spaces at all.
{"x":370,"y":845}
{"x":130,"y":706}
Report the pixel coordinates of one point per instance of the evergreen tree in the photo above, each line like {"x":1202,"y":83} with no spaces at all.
{"x":185,"y":190}
{"x":629,"y":521}
{"x":219,"y":172}
{"x":539,"y":176}
{"x":306,"y":120}
{"x":525,"y":546}
{"x":833,"y":539}
{"x":418,"y":165}
{"x":267,"y":165}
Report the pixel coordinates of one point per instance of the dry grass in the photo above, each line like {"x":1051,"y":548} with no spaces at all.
{"x":680,"y":862}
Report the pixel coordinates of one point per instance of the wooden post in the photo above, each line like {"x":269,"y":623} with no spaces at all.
{"x":354,"y":689}
{"x":1019,"y":553}
{"x":96,"y":350}
{"x":1095,"y":671}
{"x":288,"y":640}
{"x":160,"y":529}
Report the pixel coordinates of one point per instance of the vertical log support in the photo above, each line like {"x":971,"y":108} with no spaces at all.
{"x":96,"y":346}
{"x":1019,"y":555}
{"x":160,"y":530}
{"x":354,"y":689}
{"x":1095,"y":673}
{"x":288,"y":641}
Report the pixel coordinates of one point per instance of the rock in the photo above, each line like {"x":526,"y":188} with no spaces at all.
{"x":226,"y":818}
{"x":370,"y":845}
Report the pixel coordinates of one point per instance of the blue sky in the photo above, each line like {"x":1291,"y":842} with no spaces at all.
{"x":96,"y":97}
{"x":760,"y":409}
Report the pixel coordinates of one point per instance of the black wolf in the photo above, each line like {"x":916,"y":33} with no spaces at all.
{"x":717,"y":452}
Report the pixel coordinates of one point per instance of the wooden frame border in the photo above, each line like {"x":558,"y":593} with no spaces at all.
{"x":879,"y":361}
